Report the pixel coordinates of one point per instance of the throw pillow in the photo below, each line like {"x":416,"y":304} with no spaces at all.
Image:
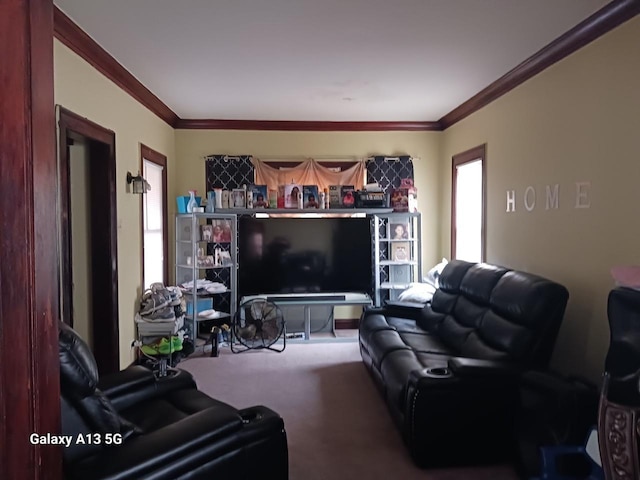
{"x":418,"y":293}
{"x":434,"y":274}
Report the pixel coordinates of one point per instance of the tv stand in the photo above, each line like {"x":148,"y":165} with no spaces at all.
{"x":307,"y":300}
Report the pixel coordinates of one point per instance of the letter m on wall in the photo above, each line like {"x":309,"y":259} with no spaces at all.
{"x":552,"y":196}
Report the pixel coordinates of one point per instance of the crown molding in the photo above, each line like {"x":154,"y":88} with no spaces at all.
{"x":604,"y":20}
{"x":70,"y":34}
{"x":213,"y":124}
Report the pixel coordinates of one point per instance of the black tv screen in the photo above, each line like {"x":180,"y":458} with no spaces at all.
{"x":298,"y":255}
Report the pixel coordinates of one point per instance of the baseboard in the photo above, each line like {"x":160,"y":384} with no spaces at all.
{"x":347,"y":323}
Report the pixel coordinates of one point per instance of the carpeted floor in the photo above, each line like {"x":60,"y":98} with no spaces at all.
{"x":336,"y":421}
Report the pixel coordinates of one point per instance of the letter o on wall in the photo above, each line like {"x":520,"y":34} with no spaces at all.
{"x":529,"y":205}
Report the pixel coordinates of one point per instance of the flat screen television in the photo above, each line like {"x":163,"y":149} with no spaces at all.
{"x":298,"y":255}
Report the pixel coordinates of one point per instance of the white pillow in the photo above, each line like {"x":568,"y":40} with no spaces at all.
{"x":434,"y":274}
{"x":418,"y":293}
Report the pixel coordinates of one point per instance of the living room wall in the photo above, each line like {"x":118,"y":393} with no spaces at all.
{"x":578,"y":121}
{"x":83,"y":90}
{"x":193,"y":145}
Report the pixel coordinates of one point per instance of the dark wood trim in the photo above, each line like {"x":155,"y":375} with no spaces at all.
{"x":158,"y":159}
{"x":479,"y":152}
{"x":29,"y":365}
{"x":77,"y":40}
{"x":66,"y":260}
{"x":347,"y":323}
{"x":343,"y":165}
{"x":104,"y":235}
{"x":211,"y":124}
{"x":604,"y":20}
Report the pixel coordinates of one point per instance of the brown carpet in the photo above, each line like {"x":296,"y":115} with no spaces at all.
{"x":337,"y":423}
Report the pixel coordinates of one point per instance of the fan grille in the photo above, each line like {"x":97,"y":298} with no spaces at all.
{"x":258,"y":324}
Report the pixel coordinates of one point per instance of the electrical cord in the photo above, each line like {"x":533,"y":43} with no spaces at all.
{"x":329,"y":319}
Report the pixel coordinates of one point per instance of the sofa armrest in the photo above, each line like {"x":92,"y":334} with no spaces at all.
{"x":465,"y":367}
{"x":133,"y":377}
{"x":137,"y":384}
{"x":143,"y":454}
{"x":208,"y":434}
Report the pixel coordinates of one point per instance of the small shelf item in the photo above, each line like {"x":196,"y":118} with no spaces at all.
{"x":397,"y":254}
{"x":205,"y":267}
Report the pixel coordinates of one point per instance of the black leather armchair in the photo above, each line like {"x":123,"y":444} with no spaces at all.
{"x":619,"y":415}
{"x":449,"y":371}
{"x":134,"y":425}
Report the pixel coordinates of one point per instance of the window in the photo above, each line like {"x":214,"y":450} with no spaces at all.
{"x":154,"y":219}
{"x":468,"y":210}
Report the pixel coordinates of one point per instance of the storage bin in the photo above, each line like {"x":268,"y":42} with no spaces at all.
{"x":182,"y":203}
{"x":203,"y":304}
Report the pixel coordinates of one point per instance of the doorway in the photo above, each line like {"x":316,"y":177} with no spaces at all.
{"x":88,"y":228}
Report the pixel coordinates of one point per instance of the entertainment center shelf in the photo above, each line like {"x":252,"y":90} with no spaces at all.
{"x":306,"y":212}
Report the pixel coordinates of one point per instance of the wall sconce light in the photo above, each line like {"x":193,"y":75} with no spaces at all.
{"x":138,"y":184}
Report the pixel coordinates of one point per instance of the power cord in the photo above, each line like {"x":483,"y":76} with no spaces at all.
{"x":329,"y":319}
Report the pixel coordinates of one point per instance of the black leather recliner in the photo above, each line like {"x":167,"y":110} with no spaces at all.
{"x":449,"y":372}
{"x":134,"y":425}
{"x":619,"y":415}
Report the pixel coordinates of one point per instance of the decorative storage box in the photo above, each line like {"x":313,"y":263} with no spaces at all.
{"x":372,"y":199}
{"x":334,"y":196}
{"x":182,"y":203}
{"x":404,"y":198}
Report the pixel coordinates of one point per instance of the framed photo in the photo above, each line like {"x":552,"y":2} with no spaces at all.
{"x":400,"y":251}
{"x":311,"y":197}
{"x":260,"y":198}
{"x":292,"y":195}
{"x":206,"y":233}
{"x":398,"y":231}
{"x":221,"y":231}
{"x":238,"y":198}
{"x":205,"y":261}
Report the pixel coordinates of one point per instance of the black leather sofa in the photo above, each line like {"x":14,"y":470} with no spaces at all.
{"x":133,"y":425}
{"x":449,"y":371}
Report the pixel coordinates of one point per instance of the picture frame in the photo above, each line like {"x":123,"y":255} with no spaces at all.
{"x":310,"y":196}
{"x":206,"y":233}
{"x":238,"y":198}
{"x":292,"y":195}
{"x":401,"y":251}
{"x":398,"y":231}
{"x":221,"y":231}
{"x":259,"y":196}
{"x":205,"y":261}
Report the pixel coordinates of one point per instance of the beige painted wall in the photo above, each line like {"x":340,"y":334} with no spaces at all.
{"x":193,"y":145}
{"x":83,"y":90}
{"x":81,"y":240}
{"x":577,"y":121}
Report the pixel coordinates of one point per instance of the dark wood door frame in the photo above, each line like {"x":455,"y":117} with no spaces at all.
{"x":476,"y":153}
{"x":29,"y":365}
{"x":159,"y":159}
{"x":104,"y":236}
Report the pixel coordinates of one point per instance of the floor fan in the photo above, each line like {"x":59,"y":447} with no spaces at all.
{"x":258,"y":324}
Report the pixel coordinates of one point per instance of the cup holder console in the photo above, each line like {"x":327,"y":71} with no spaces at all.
{"x":250,"y":416}
{"x":438,"y":372}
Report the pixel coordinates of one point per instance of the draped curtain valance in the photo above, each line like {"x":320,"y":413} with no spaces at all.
{"x":309,"y":172}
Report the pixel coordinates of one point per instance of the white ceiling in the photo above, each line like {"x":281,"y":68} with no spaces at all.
{"x":322,"y":60}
